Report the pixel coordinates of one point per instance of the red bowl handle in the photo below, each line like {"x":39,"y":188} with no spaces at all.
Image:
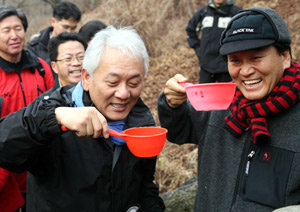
{"x":117,"y":134}
{"x":63,"y":128}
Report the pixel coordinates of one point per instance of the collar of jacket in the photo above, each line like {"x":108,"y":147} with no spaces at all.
{"x":212,"y":4}
{"x":42,"y":38}
{"x":45,"y":35}
{"x":222,"y":10}
{"x":26,"y":61}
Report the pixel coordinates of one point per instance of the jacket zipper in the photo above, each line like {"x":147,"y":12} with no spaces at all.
{"x":249,"y":159}
{"x":22,"y":88}
{"x":250,"y":156}
{"x":239,"y":183}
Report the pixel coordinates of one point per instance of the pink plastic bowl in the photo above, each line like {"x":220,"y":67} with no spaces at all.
{"x":210,"y":96}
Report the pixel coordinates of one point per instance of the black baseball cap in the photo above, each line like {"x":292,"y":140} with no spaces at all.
{"x":253,"y":28}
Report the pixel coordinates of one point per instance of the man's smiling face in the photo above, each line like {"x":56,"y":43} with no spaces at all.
{"x":257,"y":72}
{"x":69,"y":62}
{"x":116,"y":83}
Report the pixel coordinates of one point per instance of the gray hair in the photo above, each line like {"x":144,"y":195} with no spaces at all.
{"x":124,"y":39}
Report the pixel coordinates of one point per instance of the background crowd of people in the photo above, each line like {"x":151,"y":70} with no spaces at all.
{"x":50,"y":60}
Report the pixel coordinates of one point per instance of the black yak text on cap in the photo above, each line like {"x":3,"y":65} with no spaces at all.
{"x":254,"y":28}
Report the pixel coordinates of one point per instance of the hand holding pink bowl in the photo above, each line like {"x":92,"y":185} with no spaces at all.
{"x":210,"y":96}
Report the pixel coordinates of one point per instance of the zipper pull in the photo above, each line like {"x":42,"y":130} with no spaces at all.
{"x":250,"y":156}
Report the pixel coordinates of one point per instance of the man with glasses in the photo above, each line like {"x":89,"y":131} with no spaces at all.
{"x":66,"y":16}
{"x":66,"y":53}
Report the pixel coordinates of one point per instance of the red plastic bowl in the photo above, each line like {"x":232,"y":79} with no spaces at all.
{"x":143,"y":141}
{"x":210,"y":96}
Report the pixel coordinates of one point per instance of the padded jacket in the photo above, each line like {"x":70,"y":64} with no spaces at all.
{"x":210,"y":22}
{"x":234,"y":174}
{"x":71,"y":173}
{"x":20,"y":84}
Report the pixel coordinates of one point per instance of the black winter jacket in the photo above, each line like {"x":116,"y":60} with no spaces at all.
{"x":211,"y":22}
{"x":234,"y":174}
{"x":39,"y":45}
{"x":70,"y":173}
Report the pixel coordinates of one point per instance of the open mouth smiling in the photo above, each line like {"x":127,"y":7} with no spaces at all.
{"x":118,"y":105}
{"x":75,"y":72}
{"x":252,"y":82}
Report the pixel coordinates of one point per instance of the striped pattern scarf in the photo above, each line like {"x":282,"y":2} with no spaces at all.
{"x":254,"y":114}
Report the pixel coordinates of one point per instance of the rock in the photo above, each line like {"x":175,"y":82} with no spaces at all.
{"x":182,"y":198}
{"x":292,"y":208}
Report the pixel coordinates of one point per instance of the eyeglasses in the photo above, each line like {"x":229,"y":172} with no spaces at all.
{"x":70,"y":58}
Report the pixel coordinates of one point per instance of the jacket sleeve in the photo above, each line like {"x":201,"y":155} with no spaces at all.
{"x":30,"y":47}
{"x":178,"y":121}
{"x":235,"y":10}
{"x":193,"y":29}
{"x":149,"y":195}
{"x":22,"y":133}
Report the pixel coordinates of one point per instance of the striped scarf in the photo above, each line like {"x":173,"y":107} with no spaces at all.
{"x":254,"y":114}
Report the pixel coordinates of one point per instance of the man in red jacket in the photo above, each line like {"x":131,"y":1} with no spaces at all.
{"x":23,"y":77}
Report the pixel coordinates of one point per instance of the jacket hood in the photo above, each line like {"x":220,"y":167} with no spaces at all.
{"x":211,"y":3}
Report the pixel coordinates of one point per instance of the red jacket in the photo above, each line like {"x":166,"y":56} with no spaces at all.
{"x":20,"y":84}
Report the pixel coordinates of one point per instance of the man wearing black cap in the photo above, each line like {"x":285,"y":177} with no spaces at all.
{"x":23,"y":77}
{"x":204,"y":30}
{"x":249,"y":155}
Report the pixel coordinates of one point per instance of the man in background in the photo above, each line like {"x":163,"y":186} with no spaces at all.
{"x":89,"y":29}
{"x":66,"y":16}
{"x":66,"y":52}
{"x":210,"y":20}
{"x":23,"y":77}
